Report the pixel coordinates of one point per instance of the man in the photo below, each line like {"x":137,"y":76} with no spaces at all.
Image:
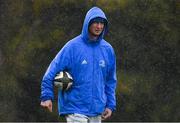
{"x":91,"y":62}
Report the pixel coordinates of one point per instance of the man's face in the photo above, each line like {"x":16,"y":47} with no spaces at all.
{"x":96,"y":28}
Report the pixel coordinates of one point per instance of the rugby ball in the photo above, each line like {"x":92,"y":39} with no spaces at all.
{"x":63,"y":80}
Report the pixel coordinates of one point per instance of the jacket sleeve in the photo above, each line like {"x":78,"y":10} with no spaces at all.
{"x":111,"y":82}
{"x":59,"y":63}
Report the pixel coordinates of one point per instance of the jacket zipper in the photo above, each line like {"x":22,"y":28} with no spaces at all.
{"x":92,"y":102}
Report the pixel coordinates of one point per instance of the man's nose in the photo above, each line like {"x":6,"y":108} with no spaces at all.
{"x":99,"y":25}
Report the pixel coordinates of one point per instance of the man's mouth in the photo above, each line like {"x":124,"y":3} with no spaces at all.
{"x":98,"y":31}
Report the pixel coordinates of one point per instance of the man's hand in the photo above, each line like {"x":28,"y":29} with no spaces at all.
{"x":106,"y":114}
{"x":47,"y":104}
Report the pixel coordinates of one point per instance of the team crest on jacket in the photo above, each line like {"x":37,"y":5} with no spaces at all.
{"x":102,"y":63}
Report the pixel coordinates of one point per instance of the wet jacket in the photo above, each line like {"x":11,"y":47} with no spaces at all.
{"x":93,"y":68}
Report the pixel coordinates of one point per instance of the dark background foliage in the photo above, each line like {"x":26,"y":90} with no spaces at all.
{"x":144,"y":34}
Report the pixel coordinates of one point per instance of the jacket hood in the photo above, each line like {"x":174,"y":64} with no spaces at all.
{"x":91,"y":14}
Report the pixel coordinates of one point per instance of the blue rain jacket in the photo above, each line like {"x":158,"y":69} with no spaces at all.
{"x":93,"y":68}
